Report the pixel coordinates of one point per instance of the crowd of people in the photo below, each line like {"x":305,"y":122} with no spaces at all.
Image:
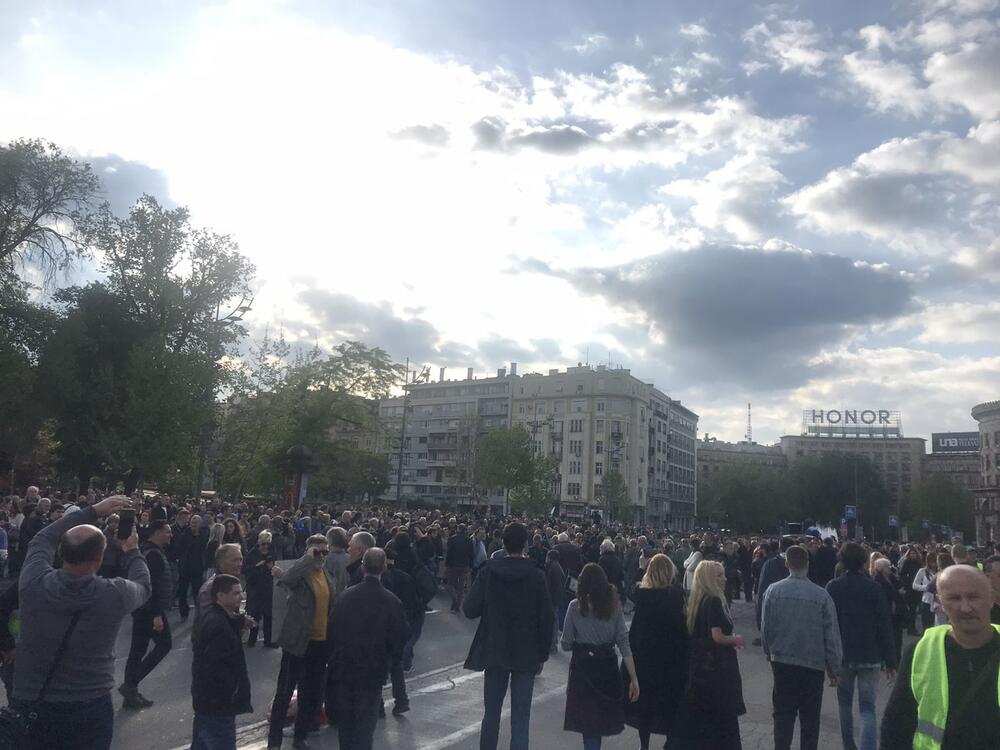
{"x":356,"y":585}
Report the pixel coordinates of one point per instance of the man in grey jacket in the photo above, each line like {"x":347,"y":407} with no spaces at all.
{"x":802,"y":639}
{"x":77,"y":710}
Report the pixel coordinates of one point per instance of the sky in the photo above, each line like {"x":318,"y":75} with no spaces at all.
{"x":794,"y":205}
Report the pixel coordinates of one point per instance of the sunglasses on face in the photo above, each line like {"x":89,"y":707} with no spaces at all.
{"x":320,"y":552}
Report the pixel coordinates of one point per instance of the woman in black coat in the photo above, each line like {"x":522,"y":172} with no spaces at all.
{"x":659,"y":641}
{"x":257,"y":569}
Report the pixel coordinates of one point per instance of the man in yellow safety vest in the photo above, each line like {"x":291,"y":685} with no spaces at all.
{"x":947,"y":695}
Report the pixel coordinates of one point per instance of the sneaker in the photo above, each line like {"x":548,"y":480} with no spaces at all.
{"x":146,"y":702}
{"x":134,"y":701}
{"x":127,"y":691}
{"x":408,"y":670}
{"x":400,"y":708}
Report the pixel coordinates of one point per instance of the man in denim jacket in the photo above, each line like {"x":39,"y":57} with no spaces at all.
{"x":802,"y":639}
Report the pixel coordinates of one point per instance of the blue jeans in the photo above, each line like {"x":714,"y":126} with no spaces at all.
{"x":79,"y":725}
{"x":213,"y":732}
{"x":522,"y":684}
{"x":867,"y":678}
{"x":591,"y":742}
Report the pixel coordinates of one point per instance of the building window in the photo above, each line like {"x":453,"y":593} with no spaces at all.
{"x":600,"y":406}
{"x":599,"y":447}
{"x":573,"y":489}
{"x":576,"y":425}
{"x":576,"y":447}
{"x":598,"y":468}
{"x":599,"y":426}
{"x":579,"y":405}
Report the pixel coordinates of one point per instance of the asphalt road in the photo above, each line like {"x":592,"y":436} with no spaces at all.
{"x":446,"y":700}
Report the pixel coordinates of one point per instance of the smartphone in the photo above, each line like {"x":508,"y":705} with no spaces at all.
{"x":126,"y":522}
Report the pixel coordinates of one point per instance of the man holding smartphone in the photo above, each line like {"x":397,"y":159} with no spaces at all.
{"x":76,"y":710}
{"x":303,"y":639}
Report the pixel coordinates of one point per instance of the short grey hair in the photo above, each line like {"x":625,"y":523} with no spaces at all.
{"x":607,"y":546}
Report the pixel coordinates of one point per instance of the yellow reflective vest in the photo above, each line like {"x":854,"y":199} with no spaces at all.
{"x":929,"y":683}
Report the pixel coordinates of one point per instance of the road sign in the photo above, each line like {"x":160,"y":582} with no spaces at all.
{"x":894,"y":522}
{"x":926,"y":524}
{"x":851,"y":511}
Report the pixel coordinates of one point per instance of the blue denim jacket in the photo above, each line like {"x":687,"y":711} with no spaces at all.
{"x":799,"y":625}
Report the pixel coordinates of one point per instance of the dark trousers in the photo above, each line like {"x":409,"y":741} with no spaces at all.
{"x":732,"y":588}
{"x":747,"y":585}
{"x":84,"y":725}
{"x":305,"y":672}
{"x":187,"y":579}
{"x":398,"y":684}
{"x":140,"y":663}
{"x":213,"y":732}
{"x":261,"y":620}
{"x":797,"y":691}
{"x":357,"y":714}
{"x":522,"y":685}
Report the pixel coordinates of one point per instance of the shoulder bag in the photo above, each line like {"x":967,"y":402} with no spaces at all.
{"x":15,"y":724}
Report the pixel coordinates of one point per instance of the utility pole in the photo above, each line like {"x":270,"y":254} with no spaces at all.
{"x":402,"y":442}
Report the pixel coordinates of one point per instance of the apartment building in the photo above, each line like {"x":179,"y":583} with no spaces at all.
{"x":591,"y":419}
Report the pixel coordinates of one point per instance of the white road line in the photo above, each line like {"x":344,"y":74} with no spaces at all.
{"x":423,"y":676}
{"x":471,"y":729}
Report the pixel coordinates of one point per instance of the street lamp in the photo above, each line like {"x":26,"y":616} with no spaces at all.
{"x":235,"y":316}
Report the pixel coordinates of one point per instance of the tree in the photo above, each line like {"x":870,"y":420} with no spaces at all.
{"x":826,"y":484}
{"x":748,"y":498}
{"x":279,"y":400}
{"x":615,"y":491}
{"x":943,"y":502}
{"x":535,"y":497}
{"x":46,"y":202}
{"x":132,"y":367}
{"x":505,"y":459}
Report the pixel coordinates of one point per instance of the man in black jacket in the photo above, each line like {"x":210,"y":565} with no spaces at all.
{"x":149,"y":622}
{"x":190,"y":545}
{"x":220,"y":685}
{"x":370,"y":631}
{"x":457,"y":564}
{"x":513,"y":638}
{"x":400,"y":584}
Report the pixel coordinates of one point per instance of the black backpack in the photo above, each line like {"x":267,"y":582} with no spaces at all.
{"x":424,"y":581}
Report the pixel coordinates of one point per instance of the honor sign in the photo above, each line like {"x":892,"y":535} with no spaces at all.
{"x":880,"y":423}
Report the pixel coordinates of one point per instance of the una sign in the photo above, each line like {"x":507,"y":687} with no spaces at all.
{"x":850,"y":416}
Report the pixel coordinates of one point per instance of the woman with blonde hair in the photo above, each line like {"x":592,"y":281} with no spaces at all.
{"x":215,"y":535}
{"x":714,"y":700}
{"x":873,"y":558}
{"x":659,"y":642}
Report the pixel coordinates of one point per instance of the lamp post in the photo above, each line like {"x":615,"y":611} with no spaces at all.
{"x":244,"y":306}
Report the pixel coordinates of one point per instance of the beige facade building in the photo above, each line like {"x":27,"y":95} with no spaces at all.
{"x":715,"y":455}
{"x":961,"y":469}
{"x":592,"y":420}
{"x":987,"y":496}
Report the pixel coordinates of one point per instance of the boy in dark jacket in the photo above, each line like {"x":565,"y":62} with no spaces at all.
{"x":220,"y":685}
{"x":513,"y":638}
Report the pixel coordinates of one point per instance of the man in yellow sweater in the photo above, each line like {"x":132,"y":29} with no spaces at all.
{"x":304,"y":641}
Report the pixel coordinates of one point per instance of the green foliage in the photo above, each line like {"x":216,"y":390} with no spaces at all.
{"x":615,"y":492}
{"x":505,"y":459}
{"x":131,"y":369}
{"x":826,"y":484}
{"x":278,"y":400}
{"x":46,"y":202}
{"x":535,"y":498}
{"x":940,"y":501}
{"x":748,"y":498}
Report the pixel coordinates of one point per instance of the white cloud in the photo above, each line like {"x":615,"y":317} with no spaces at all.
{"x":890,"y":85}
{"x":591,"y":43}
{"x":933,"y":194}
{"x":695,"y":31}
{"x":968,"y":77}
{"x":736,"y":198}
{"x":959,"y":323}
{"x":791,"y":45}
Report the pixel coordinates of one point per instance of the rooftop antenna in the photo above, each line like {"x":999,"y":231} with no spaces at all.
{"x":749,"y":425}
